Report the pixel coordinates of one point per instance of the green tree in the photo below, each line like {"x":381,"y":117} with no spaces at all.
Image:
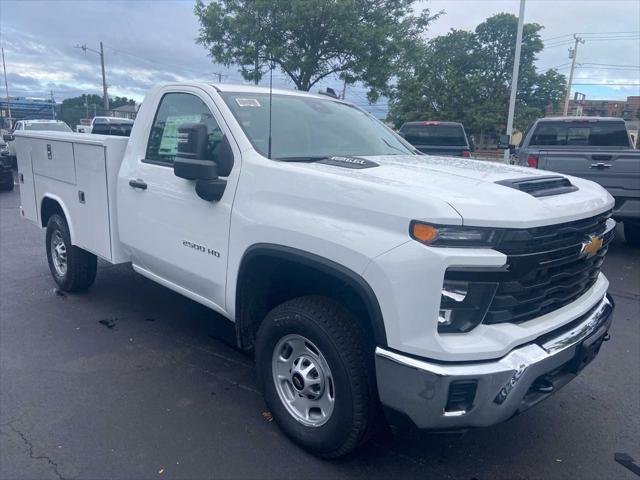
{"x":71,"y":110}
{"x":358,"y":40}
{"x":466,"y":76}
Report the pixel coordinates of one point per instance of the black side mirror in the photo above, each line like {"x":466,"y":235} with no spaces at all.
{"x":191,"y":161}
{"x":8,"y":137}
{"x":503,"y":143}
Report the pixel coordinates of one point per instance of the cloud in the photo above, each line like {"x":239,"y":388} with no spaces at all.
{"x":150,"y":42}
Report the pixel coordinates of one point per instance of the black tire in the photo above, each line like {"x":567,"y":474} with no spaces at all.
{"x":350,"y":357}
{"x":81,"y":266}
{"x":632,"y":233}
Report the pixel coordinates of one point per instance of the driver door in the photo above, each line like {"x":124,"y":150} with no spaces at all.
{"x":173,"y":236}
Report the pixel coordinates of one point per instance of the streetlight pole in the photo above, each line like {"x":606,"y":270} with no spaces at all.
{"x":105,"y":94}
{"x":573,"y":53}
{"x":514,"y":79}
{"x":6,"y":87}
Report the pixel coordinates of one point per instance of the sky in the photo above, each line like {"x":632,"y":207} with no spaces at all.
{"x":150,"y":42}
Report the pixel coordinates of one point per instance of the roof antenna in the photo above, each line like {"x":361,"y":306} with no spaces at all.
{"x":270,"y":97}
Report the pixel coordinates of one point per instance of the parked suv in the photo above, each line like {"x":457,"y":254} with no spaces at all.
{"x":438,"y":138}
{"x":596,"y":148}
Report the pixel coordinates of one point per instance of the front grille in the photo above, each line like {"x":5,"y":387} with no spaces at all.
{"x":546,"y":270}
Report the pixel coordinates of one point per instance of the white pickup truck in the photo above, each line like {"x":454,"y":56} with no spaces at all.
{"x":360,"y":273}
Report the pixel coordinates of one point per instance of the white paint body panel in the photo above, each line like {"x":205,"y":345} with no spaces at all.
{"x":77,"y":163}
{"x":356,"y":218}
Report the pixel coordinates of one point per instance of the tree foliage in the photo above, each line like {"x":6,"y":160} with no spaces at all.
{"x":466,"y":76}
{"x":358,"y":40}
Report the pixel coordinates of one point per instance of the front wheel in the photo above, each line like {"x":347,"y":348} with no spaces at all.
{"x":73,"y":268}
{"x":632,"y":233}
{"x":315,"y":366}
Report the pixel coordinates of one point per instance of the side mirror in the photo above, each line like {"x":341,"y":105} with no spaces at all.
{"x":8,"y":137}
{"x":191,"y":161}
{"x":503,"y":142}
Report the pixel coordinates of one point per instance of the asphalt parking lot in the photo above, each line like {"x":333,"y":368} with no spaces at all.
{"x":133,"y":381}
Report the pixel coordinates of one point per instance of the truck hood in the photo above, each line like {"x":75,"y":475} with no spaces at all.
{"x":470,"y":187}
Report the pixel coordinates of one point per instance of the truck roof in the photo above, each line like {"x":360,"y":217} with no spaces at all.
{"x":230,"y":87}
{"x":580,"y":119}
{"x":433,"y":122}
{"x":41,"y":120}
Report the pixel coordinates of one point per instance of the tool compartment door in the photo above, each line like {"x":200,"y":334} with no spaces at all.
{"x":54,"y":159}
{"x":28,"y":207}
{"x":91,"y":205}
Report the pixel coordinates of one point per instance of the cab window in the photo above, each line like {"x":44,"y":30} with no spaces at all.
{"x":174,"y":110}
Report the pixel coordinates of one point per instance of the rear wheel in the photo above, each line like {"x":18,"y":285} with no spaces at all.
{"x":316,"y":370}
{"x":632,"y":233}
{"x":73,"y":268}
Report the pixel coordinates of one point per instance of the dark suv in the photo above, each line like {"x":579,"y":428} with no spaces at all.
{"x":438,"y":138}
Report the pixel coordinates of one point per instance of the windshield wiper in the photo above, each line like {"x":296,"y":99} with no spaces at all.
{"x":301,"y":159}
{"x":395,"y":148}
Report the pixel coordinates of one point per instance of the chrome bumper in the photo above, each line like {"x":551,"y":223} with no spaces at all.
{"x":428,"y":393}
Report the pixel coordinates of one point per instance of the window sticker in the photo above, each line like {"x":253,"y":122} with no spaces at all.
{"x":169,"y":141}
{"x":247,"y":102}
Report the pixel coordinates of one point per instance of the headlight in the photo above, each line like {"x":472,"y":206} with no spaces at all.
{"x":463,"y":305}
{"x":453,"y":236}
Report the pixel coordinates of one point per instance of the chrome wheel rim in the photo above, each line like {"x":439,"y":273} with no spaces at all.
{"x":59,"y":253}
{"x":303,"y":380}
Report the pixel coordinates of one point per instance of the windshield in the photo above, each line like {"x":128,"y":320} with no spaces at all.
{"x":48,"y":126}
{"x":307,"y":127}
{"x":440,"y":135}
{"x":581,"y":133}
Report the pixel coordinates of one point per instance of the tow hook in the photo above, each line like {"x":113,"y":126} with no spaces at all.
{"x":543,"y":385}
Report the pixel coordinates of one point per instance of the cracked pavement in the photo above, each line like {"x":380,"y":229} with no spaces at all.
{"x":133,"y":381}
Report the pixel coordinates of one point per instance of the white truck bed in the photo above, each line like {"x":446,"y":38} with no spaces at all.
{"x":80,"y":171}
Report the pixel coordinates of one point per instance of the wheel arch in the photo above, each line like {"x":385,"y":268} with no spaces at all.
{"x":52,"y":204}
{"x":260,"y":265}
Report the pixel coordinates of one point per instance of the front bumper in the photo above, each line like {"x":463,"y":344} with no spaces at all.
{"x":458,"y":395}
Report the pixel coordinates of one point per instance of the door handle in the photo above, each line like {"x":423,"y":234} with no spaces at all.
{"x":137,"y":183}
{"x":600,"y":165}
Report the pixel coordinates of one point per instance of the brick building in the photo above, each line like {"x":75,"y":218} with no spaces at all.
{"x":628,"y":109}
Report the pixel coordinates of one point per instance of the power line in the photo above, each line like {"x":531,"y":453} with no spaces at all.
{"x":611,"y":84}
{"x":589,"y":33}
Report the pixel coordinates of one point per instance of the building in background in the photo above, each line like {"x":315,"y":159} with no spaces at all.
{"x":628,"y":109}
{"x":125,"y":111}
{"x":24,"y":108}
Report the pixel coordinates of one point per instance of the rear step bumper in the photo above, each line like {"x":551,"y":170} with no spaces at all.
{"x":450,"y":396}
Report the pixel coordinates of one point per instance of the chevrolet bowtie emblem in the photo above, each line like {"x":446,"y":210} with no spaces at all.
{"x":591,"y":246}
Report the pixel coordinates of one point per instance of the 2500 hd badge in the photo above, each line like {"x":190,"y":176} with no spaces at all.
{"x":201,"y":248}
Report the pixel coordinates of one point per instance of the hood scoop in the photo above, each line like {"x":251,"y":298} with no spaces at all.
{"x":544,"y":186}
{"x":355,"y":163}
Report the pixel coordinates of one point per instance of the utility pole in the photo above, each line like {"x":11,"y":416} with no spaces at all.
{"x":104,"y":82}
{"x":219,"y":75}
{"x":514,"y":79}
{"x":6,"y":87}
{"x":53,"y":106}
{"x":344,"y":88}
{"x":573,"y":53}
{"x":105,"y":94}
